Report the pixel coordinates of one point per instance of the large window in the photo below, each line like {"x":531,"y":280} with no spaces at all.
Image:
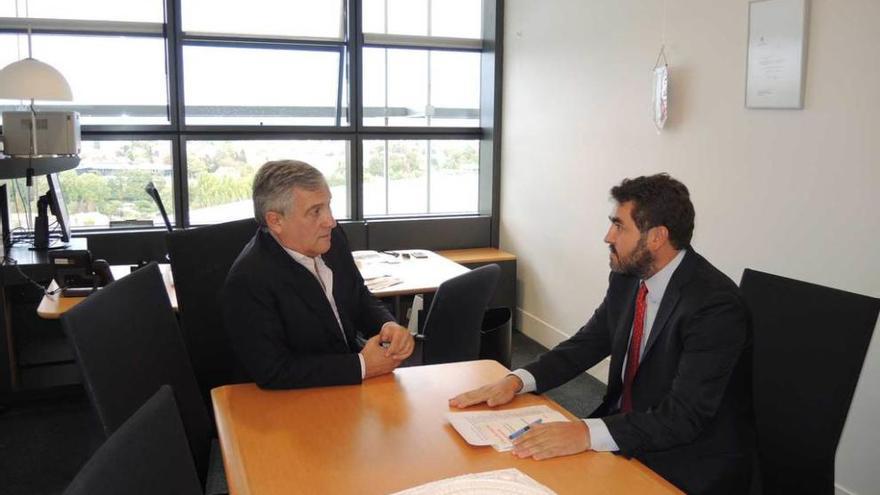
{"x":293,"y":87}
{"x":385,"y":97}
{"x":414,"y":177}
{"x":107,"y":187}
{"x":220,"y":174}
{"x":117,"y":80}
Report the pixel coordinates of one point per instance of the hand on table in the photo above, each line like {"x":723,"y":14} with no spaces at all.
{"x":495,"y":394}
{"x":547,"y":440}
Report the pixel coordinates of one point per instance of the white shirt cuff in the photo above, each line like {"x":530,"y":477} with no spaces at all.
{"x":363,"y":366}
{"x":600,"y":438}
{"x":528,"y":380}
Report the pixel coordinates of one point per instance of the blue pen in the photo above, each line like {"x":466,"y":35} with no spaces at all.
{"x":520,"y":432}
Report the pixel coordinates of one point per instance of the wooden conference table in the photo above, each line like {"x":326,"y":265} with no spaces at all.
{"x":386,"y":435}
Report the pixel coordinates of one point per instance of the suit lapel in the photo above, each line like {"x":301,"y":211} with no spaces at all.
{"x":305,"y":284}
{"x":670,"y":299}
{"x":667,"y":305}
{"x":338,"y":268}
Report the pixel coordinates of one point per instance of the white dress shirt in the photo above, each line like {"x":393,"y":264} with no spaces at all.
{"x":600,"y":438}
{"x":324,"y":274}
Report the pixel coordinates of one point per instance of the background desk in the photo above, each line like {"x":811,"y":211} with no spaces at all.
{"x":416,"y":275}
{"x":53,"y":306}
{"x":34,"y":354}
{"x":505,"y":295}
{"x":386,"y":435}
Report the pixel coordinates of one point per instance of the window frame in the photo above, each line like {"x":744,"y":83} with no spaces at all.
{"x":350,"y":46}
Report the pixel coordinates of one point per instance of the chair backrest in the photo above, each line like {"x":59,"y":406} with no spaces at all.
{"x":452,"y":327}
{"x":128,"y":344}
{"x":147,"y":454}
{"x":200,"y":260}
{"x":810,"y":342}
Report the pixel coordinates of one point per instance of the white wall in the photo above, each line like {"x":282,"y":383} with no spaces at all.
{"x":785,"y":191}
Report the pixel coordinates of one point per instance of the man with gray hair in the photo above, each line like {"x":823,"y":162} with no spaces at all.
{"x":294,"y":302}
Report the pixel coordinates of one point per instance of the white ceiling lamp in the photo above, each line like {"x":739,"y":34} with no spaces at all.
{"x":30,"y":79}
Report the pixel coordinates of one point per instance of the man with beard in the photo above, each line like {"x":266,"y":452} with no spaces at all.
{"x":679,"y":337}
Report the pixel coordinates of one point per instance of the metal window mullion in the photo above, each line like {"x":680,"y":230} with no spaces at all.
{"x":340,"y":87}
{"x":353,"y":18}
{"x":177,"y":110}
{"x":417,"y":41}
{"x":429,"y":108}
{"x":428,"y":174}
{"x":279,"y":38}
{"x":180,"y":181}
{"x":264,"y":44}
{"x":387,"y":178}
{"x":77,"y":26}
{"x":385,"y":29}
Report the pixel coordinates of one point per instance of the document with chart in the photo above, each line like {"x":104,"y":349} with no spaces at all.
{"x":493,"y":428}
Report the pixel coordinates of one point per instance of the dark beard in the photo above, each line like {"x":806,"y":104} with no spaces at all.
{"x":638,"y":263}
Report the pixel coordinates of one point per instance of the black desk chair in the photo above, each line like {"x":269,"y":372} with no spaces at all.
{"x":200,"y":260}
{"x":128,"y":344}
{"x":810,"y":342}
{"x":452,"y":327}
{"x":147,"y":454}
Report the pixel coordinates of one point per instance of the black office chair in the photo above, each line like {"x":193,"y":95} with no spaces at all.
{"x":147,"y":454}
{"x":128,"y":344}
{"x":452,"y":327}
{"x":810,"y":342}
{"x":200,"y":260}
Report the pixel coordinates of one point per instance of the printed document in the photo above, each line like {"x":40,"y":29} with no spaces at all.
{"x":493,"y":427}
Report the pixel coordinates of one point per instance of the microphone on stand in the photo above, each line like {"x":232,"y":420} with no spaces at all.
{"x":150,"y":189}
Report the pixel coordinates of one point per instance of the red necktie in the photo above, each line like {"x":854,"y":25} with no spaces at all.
{"x":635,"y":346}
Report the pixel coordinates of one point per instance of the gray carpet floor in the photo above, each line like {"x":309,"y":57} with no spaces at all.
{"x":43,"y":446}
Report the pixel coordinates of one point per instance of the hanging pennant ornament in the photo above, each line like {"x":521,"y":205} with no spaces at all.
{"x":661,"y":90}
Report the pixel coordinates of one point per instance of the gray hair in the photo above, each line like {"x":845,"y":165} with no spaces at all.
{"x":273,"y":184}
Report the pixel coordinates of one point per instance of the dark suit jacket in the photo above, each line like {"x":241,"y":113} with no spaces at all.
{"x":692,"y":403}
{"x":280,"y":324}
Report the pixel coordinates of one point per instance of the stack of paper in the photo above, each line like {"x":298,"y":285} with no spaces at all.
{"x":503,"y":481}
{"x":380,"y":283}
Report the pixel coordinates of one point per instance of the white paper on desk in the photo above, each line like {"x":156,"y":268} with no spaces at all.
{"x":373,"y":271}
{"x":364,"y":255}
{"x":503,"y":481}
{"x":493,"y":427}
{"x":382,"y":283}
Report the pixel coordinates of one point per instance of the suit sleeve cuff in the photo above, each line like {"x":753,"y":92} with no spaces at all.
{"x":528,"y":380}
{"x":363,"y":366}
{"x":600,"y":438}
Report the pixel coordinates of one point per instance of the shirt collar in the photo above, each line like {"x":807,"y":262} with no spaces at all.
{"x":306,"y":261}
{"x":658,"y":282}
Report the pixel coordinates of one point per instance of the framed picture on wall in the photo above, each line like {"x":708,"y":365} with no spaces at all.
{"x":777,"y":53}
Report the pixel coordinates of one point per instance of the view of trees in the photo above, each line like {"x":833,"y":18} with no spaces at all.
{"x":109,"y":183}
{"x":406,"y":159}
{"x":219,"y":174}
